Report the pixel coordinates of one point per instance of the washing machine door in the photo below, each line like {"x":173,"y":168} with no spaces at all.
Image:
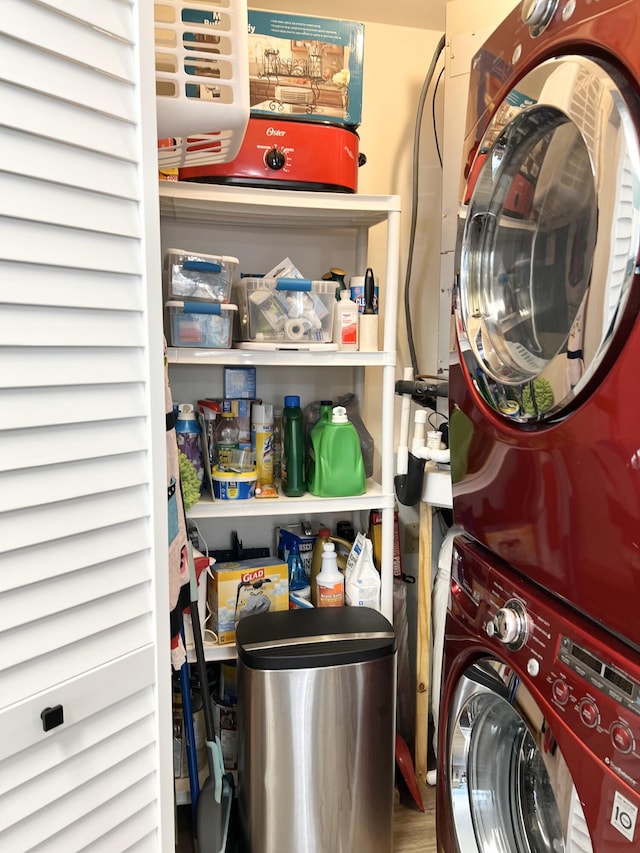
{"x":549,"y":239}
{"x":510,"y":788}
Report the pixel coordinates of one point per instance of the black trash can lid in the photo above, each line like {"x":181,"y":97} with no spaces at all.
{"x":305,"y":638}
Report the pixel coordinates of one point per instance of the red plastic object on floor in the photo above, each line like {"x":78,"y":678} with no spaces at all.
{"x":405,"y":764}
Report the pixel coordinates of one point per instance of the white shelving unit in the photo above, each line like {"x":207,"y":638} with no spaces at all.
{"x":262,"y":216}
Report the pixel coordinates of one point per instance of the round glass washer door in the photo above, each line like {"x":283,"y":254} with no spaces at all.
{"x":510,"y":788}
{"x":550,"y":238}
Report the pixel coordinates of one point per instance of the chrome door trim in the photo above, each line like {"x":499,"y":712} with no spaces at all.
{"x":491,"y":679}
{"x":560,"y":176}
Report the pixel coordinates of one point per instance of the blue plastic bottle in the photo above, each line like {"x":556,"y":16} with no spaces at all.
{"x":298,"y":581}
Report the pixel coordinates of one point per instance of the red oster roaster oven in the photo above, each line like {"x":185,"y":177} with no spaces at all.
{"x":291,"y":154}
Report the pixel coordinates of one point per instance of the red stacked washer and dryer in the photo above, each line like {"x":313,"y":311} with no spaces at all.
{"x":539,"y":738}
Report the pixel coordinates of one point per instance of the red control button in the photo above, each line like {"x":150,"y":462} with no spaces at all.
{"x":589,"y":713}
{"x":560,"y":692}
{"x":621,"y":737}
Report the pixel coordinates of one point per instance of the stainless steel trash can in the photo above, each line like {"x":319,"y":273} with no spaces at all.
{"x":316,"y":731}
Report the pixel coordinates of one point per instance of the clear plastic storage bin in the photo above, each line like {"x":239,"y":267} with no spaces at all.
{"x":200,"y":324}
{"x":195,"y":276}
{"x":285,"y":310}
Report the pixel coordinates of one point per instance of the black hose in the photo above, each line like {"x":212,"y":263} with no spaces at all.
{"x":409,"y":486}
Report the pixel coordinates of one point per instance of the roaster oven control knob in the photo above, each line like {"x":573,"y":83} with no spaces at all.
{"x":537,"y":13}
{"x":510,"y":625}
{"x":275,"y":159}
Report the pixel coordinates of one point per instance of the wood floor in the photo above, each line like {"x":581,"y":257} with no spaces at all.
{"x":413,"y":831}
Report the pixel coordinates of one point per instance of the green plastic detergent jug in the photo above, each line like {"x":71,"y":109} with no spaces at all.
{"x":339,"y":469}
{"x":326,"y":413}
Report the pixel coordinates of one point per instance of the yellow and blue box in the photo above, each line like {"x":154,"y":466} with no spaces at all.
{"x":242,"y":588}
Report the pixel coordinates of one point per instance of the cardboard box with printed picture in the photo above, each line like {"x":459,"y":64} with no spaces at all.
{"x":305,"y":67}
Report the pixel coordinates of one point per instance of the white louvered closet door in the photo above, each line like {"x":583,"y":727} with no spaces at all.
{"x":84,"y":612}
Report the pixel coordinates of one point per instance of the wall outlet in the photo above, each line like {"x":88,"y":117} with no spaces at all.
{"x":412,"y":538}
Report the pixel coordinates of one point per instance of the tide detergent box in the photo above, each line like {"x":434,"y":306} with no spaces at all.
{"x":242,"y":588}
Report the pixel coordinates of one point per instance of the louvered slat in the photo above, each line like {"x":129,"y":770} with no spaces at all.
{"x":52,"y":327}
{"x":36,"y":284}
{"x":21,"y":530}
{"x":41,"y":243}
{"x":57,"y":365}
{"x":65,"y":206}
{"x":68,"y":442}
{"x":90,"y":130}
{"x":67,"y":555}
{"x":77,"y":38}
{"x":46,"y":159}
{"x":71,"y":405}
{"x":46,"y":669}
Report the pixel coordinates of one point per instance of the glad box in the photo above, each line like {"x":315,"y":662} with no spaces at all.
{"x":243,"y":588}
{"x":305,"y":67}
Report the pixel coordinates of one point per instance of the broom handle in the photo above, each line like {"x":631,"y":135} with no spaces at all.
{"x":197,"y":641}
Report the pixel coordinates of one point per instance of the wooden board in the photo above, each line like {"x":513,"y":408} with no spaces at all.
{"x":423,"y":641}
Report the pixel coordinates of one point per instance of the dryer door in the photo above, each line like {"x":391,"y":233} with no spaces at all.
{"x":510,"y":788}
{"x":550,"y":237}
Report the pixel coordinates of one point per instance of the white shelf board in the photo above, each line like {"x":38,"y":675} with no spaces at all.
{"x":281,"y":358}
{"x":374,"y":498}
{"x":265,"y":208}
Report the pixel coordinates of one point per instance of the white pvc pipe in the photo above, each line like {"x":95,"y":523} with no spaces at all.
{"x":433,"y":454}
{"x":402,"y":460}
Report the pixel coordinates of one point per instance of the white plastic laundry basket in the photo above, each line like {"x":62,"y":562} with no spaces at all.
{"x":202,"y":80}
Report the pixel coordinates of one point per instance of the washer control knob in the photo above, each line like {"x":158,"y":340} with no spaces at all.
{"x":538,"y":13}
{"x":621,"y":737}
{"x":510,"y":624}
{"x":589,"y":713}
{"x":560,"y":691}
{"x":275,"y":159}
{"x":533,"y":667}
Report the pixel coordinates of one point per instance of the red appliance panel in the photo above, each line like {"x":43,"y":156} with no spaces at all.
{"x":586,"y":684}
{"x":560,"y":502}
